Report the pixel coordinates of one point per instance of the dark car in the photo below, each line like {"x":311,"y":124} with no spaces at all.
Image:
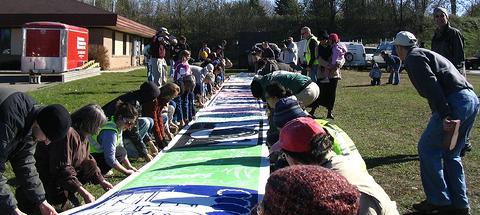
{"x":472,"y":63}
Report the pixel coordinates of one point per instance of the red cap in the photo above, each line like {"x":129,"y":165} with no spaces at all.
{"x":297,"y":134}
{"x":334,"y":37}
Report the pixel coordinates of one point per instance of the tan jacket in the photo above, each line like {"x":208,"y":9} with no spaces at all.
{"x":373,"y":199}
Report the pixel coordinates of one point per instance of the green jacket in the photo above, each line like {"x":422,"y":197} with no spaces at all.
{"x":293,"y":81}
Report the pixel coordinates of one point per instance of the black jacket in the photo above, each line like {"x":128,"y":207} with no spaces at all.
{"x":17,"y":113}
{"x":449,"y":43}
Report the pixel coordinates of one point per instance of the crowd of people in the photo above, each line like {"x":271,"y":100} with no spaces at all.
{"x":316,"y":168}
{"x":54,"y":153}
{"x":303,"y":148}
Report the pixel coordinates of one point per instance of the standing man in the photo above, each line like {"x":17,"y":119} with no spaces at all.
{"x":22,"y":124}
{"x":448,"y":41}
{"x":453,"y":103}
{"x":310,"y":55}
{"x":393,"y":63}
{"x":290,"y":56}
{"x":158,"y":50}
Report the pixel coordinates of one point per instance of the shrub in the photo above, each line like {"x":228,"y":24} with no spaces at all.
{"x":99,"y":53}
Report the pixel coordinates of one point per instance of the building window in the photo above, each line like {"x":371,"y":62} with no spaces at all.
{"x":124,"y":44}
{"x":5,"y":41}
{"x":113,"y":43}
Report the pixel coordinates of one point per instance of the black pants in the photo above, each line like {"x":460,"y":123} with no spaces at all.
{"x":328,"y":92}
{"x":375,"y":81}
{"x":120,"y":153}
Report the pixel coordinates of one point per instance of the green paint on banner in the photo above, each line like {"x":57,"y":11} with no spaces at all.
{"x":234,"y":166}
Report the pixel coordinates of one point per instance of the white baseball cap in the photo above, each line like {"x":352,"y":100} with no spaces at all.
{"x":210,"y":67}
{"x":405,"y":38}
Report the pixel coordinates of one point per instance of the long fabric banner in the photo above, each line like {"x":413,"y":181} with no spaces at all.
{"x":216,"y":165}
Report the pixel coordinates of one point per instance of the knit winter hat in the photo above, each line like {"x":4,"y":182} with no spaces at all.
{"x":148,"y":92}
{"x":309,"y":189}
{"x":287,"y":109}
{"x":54,"y":121}
{"x":441,"y":10}
{"x":323,"y":35}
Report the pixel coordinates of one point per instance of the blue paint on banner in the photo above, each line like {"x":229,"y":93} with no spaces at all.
{"x":177,"y":199}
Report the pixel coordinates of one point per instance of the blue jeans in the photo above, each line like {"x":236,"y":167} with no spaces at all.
{"x":394,"y":77}
{"x":178,"y":115}
{"x":313,"y":73}
{"x":444,"y":184}
{"x":186,"y":104}
{"x":145,"y":126}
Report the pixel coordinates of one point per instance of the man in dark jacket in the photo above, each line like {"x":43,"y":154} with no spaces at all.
{"x":454,"y":106}
{"x":138,"y":135}
{"x":22,"y":124}
{"x":393,"y":63}
{"x":448,"y":41}
{"x":158,"y":50}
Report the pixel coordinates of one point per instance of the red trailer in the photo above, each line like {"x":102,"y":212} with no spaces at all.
{"x":52,"y":47}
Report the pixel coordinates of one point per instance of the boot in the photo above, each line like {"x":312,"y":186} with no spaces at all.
{"x":330,"y":114}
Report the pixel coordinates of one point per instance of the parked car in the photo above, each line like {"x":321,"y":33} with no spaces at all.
{"x":355,"y":56}
{"x":369,"y":52}
{"x":386,"y":46}
{"x":473,"y":62}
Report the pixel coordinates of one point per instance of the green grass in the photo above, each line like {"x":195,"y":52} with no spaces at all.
{"x":384,"y":121}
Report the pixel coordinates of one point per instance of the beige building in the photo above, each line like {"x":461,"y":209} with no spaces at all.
{"x":123,"y":38}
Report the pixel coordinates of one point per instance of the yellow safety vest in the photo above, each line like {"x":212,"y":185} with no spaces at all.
{"x":94,"y":146}
{"x":308,"y":56}
{"x":342,"y":143}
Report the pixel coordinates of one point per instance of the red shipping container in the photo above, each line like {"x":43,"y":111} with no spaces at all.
{"x":52,"y":47}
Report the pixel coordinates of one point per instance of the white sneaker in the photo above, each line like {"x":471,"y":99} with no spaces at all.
{"x":109,"y":173}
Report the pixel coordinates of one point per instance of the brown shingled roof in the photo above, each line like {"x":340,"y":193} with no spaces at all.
{"x":48,"y":7}
{"x":15,"y":13}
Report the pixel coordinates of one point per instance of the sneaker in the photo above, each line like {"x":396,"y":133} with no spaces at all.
{"x":109,"y":173}
{"x":460,"y":211}
{"x":428,"y":208}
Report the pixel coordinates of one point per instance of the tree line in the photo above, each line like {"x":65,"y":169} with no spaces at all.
{"x":366,"y":20}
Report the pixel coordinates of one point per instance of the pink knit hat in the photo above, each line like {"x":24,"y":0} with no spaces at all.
{"x":309,"y":189}
{"x":334,"y":37}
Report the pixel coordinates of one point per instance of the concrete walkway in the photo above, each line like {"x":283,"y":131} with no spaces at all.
{"x":25,"y":86}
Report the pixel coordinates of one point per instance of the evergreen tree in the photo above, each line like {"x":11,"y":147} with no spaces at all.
{"x":287,"y":8}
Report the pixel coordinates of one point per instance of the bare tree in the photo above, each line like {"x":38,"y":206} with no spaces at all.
{"x":453,"y":6}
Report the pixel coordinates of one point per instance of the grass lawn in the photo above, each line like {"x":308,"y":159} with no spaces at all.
{"x":384,"y":121}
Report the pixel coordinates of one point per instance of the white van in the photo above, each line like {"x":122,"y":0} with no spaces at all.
{"x":355,"y":56}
